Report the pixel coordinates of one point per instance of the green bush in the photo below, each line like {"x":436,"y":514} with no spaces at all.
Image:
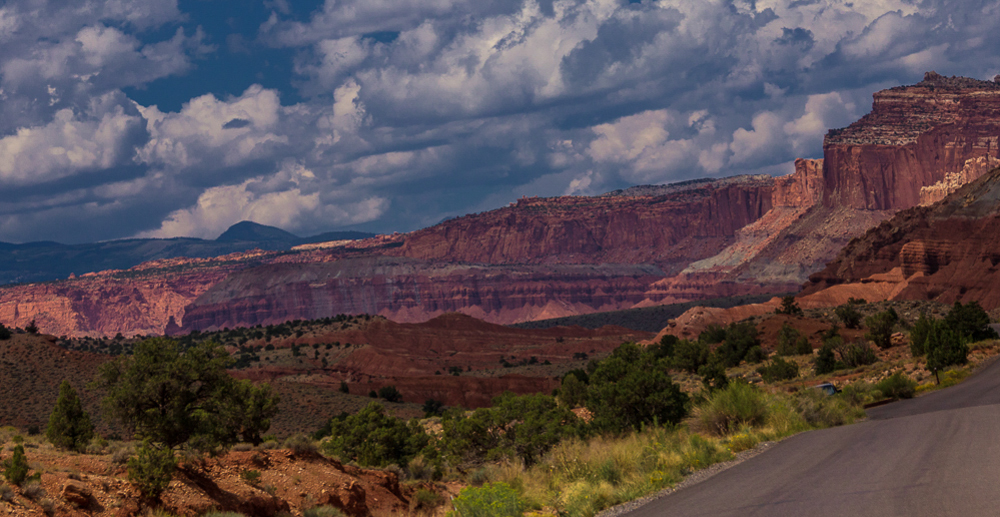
{"x":738,"y":404}
{"x":390,"y":394}
{"x":713,"y":375}
{"x":944,"y":348}
{"x":789,"y":307}
{"x":491,"y":500}
{"x":712,"y":334}
{"x":69,"y":425}
{"x":151,"y":469}
{"x":880,"y":328}
{"x":630,"y":389}
{"x":522,"y":427}
{"x":16,"y":468}
{"x":373,"y":438}
{"x":792,"y":342}
{"x":779,"y":370}
{"x":826,"y":359}
{"x":857,"y":354}
{"x":848,"y":315}
{"x":897,"y":386}
{"x":572,"y":391}
{"x":690,"y":355}
{"x":970,"y":322}
{"x":251,"y":476}
{"x":322,"y":511}
{"x":756,"y":355}
{"x":918,"y":335}
{"x":821,"y":410}
{"x":740,"y":338}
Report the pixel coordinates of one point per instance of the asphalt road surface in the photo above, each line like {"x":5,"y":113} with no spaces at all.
{"x":937,"y":455}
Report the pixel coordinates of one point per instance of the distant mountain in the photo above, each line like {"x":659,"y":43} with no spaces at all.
{"x":249,"y":231}
{"x":46,"y":261}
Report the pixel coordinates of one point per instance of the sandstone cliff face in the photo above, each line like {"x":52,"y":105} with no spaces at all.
{"x":407,"y":290}
{"x":668,"y":230}
{"x":913,"y":137}
{"x":946,"y":252}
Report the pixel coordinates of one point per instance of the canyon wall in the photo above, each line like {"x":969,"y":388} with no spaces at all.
{"x":948,"y":252}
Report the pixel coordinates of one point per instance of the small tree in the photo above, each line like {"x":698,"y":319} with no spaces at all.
{"x":630,"y":389}
{"x":740,"y":338}
{"x":32,"y":328}
{"x":16,"y":468}
{"x":880,"y":328}
{"x":970,"y":322}
{"x":792,"y":342}
{"x":944,"y":348}
{"x":779,"y":370}
{"x":572,"y":391}
{"x":690,"y":355}
{"x":789,"y":307}
{"x":848,"y":315}
{"x":713,"y":375}
{"x":918,"y":335}
{"x":390,"y":394}
{"x":69,"y":425}
{"x":151,"y":469}
{"x":826,"y":359}
{"x":373,"y":438}
{"x":4,"y":333}
{"x":344,"y":388}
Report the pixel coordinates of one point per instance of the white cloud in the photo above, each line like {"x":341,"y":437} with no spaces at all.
{"x":291,"y":207}
{"x":72,"y":142}
{"x":211,"y":131}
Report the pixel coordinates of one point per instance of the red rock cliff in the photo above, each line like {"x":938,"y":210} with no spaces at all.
{"x":913,"y":137}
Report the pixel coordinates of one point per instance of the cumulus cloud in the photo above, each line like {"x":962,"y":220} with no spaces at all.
{"x":389,"y":115}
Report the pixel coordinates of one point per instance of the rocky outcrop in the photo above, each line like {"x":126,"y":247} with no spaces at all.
{"x":946,"y":252}
{"x":669,"y":227}
{"x":973,"y":169}
{"x":913,"y":137}
{"x":406,"y":290}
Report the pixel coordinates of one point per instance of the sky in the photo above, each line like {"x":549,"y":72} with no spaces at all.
{"x":167,"y":118}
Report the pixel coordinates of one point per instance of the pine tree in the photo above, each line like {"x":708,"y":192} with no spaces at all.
{"x":16,"y":468}
{"x":69,"y":425}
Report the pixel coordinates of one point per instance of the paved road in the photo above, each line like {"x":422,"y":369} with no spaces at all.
{"x":931,"y":456}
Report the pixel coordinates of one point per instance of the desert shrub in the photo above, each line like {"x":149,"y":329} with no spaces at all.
{"x":522,"y":427}
{"x":373,"y":438}
{"x":629,"y":389}
{"x":33,"y":490}
{"x":572,"y":391}
{"x":789,"y":307}
{"x":4,"y":333}
{"x":821,"y":410}
{"x":665,"y":347}
{"x":779,"y":370}
{"x":918,"y":335}
{"x":69,"y":425}
{"x":243,"y":447}
{"x":251,"y":476}
{"x":6,"y":493}
{"x":756,"y":355}
{"x":852,"y":355}
{"x":426,"y":500}
{"x":858,"y":393}
{"x":792,"y":342}
{"x":848,"y":315}
{"x":390,"y":394}
{"x":433,"y":407}
{"x":738,"y":404}
{"x":172,"y":395}
{"x":322,"y":511}
{"x":740,"y":338}
{"x":492,"y":500}
{"x":301,"y":445}
{"x":151,"y":469}
{"x":944,"y":348}
{"x":690,"y":355}
{"x":897,"y":386}
{"x":712,"y":334}
{"x":120,"y":453}
{"x":713,"y":375}
{"x":344,"y":388}
{"x":880,"y":328}
{"x":420,"y":468}
{"x":970,"y":322}
{"x":16,"y":468}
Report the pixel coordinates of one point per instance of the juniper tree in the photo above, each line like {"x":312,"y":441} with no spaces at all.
{"x":69,"y":425}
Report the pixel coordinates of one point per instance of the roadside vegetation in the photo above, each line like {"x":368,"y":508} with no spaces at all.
{"x":633,"y":423}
